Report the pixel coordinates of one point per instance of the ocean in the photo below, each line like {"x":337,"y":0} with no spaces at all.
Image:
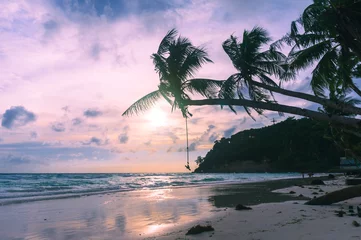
{"x":17,"y":188}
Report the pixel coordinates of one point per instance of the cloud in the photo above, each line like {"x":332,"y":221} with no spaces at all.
{"x":33,"y":135}
{"x":116,"y":150}
{"x":195,"y":120}
{"x":15,"y":160}
{"x":92,"y":113}
{"x":112,"y":10}
{"x":148,"y":143}
{"x":76,"y":121}
{"x":66,"y":109}
{"x":243,"y":121}
{"x":229,"y":132}
{"x":205,"y":135}
{"x":213,"y":137}
{"x":50,"y":25}
{"x":95,"y":51}
{"x":172,"y":136}
{"x":123,"y":137}
{"x":192,"y":147}
{"x":16,"y":117}
{"x":96,"y":141}
{"x":29,"y":154}
{"x":58,"y":127}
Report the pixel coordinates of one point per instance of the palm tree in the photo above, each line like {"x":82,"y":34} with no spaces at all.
{"x":253,"y":65}
{"x":328,"y":33}
{"x":338,"y":95}
{"x":256,"y":69}
{"x":176,"y":61}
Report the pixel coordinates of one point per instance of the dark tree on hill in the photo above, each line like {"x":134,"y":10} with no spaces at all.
{"x":297,"y":145}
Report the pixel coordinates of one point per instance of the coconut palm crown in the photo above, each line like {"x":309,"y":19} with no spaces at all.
{"x":327,"y":34}
{"x":176,"y":62}
{"x":252,"y":64}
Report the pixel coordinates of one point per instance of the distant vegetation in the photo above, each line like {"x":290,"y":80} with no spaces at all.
{"x":292,"y":145}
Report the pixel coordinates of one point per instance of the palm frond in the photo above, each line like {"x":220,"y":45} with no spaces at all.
{"x":267,"y":80}
{"x":270,"y":67}
{"x":308,"y":39}
{"x":324,"y":72}
{"x":288,"y":73}
{"x":356,"y":72}
{"x":248,"y":111}
{"x":256,"y":93}
{"x":294,"y":28}
{"x":258,"y":36}
{"x":271,"y":55}
{"x":305,"y":57}
{"x":232,"y":49}
{"x":193,"y":61}
{"x":143,"y":104}
{"x":310,"y":16}
{"x":229,"y":87}
{"x":166,"y":97}
{"x":205,"y":87}
{"x":167,"y":41}
{"x":160,"y":66}
{"x":287,"y":39}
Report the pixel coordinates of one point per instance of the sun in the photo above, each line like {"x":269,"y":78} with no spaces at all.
{"x":157,"y":117}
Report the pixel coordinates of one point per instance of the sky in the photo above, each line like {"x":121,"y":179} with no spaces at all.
{"x":70,"y":68}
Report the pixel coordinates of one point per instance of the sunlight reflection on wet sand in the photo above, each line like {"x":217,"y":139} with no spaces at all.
{"x":123,"y":215}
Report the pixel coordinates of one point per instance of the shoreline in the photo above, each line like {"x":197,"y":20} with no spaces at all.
{"x":145,"y":214}
{"x":280,"y":220}
{"x":54,"y":196}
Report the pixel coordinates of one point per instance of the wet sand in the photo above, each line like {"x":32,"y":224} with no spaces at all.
{"x":284,"y":220}
{"x":133,"y":215}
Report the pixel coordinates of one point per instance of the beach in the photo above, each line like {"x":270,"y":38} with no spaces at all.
{"x":285,"y":220}
{"x":168,"y":213}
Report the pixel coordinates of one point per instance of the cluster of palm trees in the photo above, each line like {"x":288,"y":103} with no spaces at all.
{"x":327,"y":35}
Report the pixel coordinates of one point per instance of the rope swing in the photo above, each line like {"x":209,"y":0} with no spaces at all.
{"x":187,"y":165}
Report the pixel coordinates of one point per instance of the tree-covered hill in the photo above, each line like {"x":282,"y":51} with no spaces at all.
{"x":291,"y":145}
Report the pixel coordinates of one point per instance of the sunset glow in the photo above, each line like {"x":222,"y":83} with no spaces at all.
{"x":69,"y":69}
{"x":157,"y":118}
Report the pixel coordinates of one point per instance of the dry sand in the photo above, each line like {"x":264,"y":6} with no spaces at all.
{"x":275,"y":221}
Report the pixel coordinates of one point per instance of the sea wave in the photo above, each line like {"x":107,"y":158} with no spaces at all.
{"x":30,"y":187}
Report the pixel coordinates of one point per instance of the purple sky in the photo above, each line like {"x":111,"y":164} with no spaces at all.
{"x":69,"y":68}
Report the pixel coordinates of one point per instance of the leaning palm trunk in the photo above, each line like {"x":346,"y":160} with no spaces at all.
{"x":323,"y":101}
{"x":337,"y":196}
{"x":334,"y":119}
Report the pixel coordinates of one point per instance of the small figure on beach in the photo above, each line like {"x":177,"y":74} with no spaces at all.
{"x":310,"y":174}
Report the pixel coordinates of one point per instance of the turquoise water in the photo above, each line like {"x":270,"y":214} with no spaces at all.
{"x":29,"y":187}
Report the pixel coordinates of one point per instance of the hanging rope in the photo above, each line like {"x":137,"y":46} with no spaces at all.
{"x":187,"y":166}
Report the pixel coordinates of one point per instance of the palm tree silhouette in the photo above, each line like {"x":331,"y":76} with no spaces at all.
{"x":176,"y":61}
{"x":253,"y":65}
{"x":328,"y":33}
